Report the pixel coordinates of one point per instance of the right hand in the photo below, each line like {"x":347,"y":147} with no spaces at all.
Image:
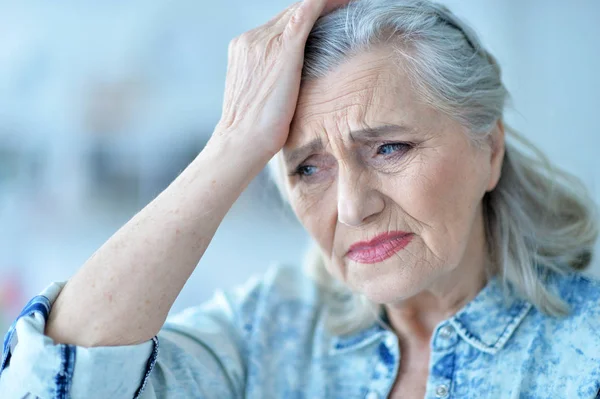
{"x":263,"y":78}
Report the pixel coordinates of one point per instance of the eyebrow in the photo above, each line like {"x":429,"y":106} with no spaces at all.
{"x":316,"y":145}
{"x":379,"y":131}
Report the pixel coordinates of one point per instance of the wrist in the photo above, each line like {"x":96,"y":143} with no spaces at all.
{"x":241,"y":145}
{"x":229,"y":160}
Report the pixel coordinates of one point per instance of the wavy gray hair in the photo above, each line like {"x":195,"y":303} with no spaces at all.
{"x":538,"y":220}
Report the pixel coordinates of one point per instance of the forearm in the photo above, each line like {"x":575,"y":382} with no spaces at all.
{"x":123,"y":293}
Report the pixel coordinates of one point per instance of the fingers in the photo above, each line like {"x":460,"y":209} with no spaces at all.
{"x":284,"y":16}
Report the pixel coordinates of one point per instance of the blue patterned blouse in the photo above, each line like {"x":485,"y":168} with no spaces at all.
{"x":268,"y":340}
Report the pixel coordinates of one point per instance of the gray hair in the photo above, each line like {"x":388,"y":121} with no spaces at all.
{"x":538,"y":220}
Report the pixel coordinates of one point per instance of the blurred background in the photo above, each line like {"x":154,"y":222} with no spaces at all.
{"x":102,"y":104}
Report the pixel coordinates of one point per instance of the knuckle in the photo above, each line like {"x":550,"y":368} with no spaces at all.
{"x":232,"y":44}
{"x":295,"y":24}
{"x":273,"y":42}
{"x":240,"y":40}
{"x":298,"y":17}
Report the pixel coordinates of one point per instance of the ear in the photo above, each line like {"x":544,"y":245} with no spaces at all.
{"x":497,"y":147}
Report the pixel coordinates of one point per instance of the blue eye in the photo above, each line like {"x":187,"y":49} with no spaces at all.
{"x":390,"y":148}
{"x":306,"y":170}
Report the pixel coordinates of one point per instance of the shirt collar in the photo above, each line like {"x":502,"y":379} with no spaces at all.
{"x":490,"y":319}
{"x":486,"y":322}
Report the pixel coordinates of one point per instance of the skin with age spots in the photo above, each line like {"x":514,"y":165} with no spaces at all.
{"x":365,"y":157}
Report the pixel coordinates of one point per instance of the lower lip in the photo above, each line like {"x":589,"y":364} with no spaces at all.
{"x":380,"y":252}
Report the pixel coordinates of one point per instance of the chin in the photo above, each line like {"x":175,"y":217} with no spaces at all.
{"x":383,"y":287}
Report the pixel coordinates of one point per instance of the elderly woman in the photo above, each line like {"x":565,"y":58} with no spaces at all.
{"x":447,"y":263}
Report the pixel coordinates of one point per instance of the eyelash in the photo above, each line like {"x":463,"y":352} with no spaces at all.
{"x":301,"y":169}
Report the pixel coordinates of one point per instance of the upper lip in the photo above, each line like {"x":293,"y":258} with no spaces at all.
{"x":378,"y":240}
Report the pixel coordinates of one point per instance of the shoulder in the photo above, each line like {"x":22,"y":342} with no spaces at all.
{"x":578,"y":331}
{"x":582,"y":295}
{"x":280,"y":287}
{"x":284,"y":293}
{"x":563,"y":353}
{"x":576,"y":336}
{"x":281,"y":309}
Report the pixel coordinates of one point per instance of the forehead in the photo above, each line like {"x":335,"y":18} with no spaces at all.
{"x":369,"y":89}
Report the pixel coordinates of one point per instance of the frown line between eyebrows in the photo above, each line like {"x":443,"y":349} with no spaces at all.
{"x":300,"y":153}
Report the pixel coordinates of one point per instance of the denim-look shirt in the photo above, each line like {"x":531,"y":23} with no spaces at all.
{"x":268,"y":340}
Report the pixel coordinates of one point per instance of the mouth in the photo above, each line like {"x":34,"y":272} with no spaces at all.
{"x":380,"y":248}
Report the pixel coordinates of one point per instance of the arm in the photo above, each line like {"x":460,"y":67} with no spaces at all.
{"x":98,"y":326}
{"x":123,"y":293}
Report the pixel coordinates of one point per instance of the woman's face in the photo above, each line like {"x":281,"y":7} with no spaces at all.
{"x":388,"y":187}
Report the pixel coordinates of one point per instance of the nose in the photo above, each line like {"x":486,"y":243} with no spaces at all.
{"x":358,"y":200}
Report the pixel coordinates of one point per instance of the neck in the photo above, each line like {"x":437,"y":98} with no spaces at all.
{"x":414,"y":319}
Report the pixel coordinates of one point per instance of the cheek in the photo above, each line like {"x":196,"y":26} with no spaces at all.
{"x":441,"y":195}
{"x":449,"y":185}
{"x":444,"y":189}
{"x":317,"y":212}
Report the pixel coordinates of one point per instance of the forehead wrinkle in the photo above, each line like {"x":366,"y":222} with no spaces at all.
{"x":350,"y":83}
{"x":331,"y":134}
{"x":355,"y":71}
{"x":342,"y":101}
{"x":306,"y":110}
{"x":323,"y":123}
{"x":354,"y":113}
{"x":339,"y":137}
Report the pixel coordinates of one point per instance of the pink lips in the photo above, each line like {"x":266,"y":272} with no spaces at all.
{"x":379,"y":248}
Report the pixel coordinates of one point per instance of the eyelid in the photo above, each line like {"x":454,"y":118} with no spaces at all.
{"x":294,"y":171}
{"x":406,"y":146}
